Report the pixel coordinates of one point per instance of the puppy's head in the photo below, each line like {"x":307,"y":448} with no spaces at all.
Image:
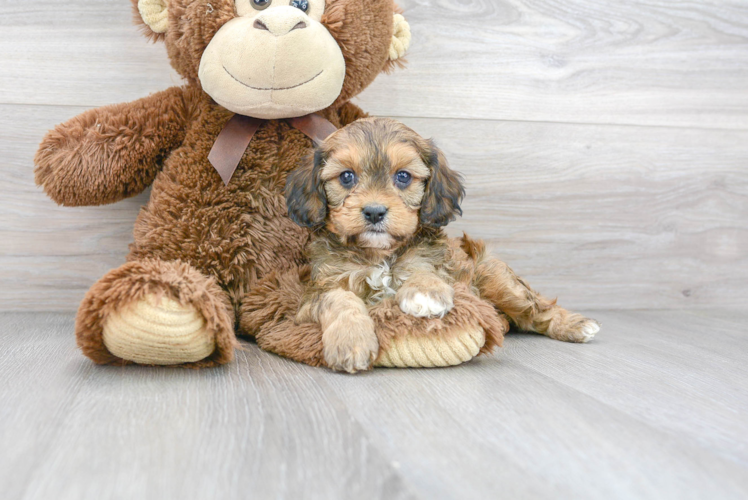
{"x":373,"y":183}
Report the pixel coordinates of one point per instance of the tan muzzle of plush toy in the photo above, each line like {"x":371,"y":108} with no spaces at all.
{"x":295,"y":68}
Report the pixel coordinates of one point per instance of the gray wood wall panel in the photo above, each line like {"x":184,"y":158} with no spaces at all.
{"x":661,"y":62}
{"x":601,"y":216}
{"x":638,"y":62}
{"x":605,"y":144}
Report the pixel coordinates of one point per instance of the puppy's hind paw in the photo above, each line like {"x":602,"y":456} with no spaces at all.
{"x":589,"y":330}
{"x":579,"y":329}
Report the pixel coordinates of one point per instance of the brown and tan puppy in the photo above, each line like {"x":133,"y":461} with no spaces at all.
{"x":376,"y":195}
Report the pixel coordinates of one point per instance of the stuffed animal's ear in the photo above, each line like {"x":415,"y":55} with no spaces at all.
{"x":155,"y":14}
{"x":444,"y":190}
{"x":400,"y":38}
{"x":305,"y":193}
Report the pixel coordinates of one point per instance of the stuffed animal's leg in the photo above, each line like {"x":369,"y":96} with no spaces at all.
{"x":526,"y":308}
{"x":155,"y":312}
{"x":110,"y":153}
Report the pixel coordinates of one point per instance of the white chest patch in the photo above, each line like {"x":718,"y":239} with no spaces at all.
{"x":381,"y":281}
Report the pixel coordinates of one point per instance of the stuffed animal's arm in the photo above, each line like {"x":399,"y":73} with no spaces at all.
{"x":111,"y":153}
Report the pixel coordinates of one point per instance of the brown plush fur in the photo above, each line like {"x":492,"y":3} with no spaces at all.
{"x":230,"y":236}
{"x":108,"y":154}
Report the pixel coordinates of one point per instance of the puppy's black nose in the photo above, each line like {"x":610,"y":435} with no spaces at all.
{"x":374,"y":213}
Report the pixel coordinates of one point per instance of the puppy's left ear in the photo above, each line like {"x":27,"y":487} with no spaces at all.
{"x":444,"y":190}
{"x":305,"y":194}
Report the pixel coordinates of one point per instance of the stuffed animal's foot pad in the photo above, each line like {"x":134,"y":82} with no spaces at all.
{"x":426,"y":303}
{"x":350,"y":345}
{"x":158,"y":331}
{"x":426,"y":351}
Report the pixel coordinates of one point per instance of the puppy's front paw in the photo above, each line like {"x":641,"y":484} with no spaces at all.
{"x":427,"y":303}
{"x":350,"y":344}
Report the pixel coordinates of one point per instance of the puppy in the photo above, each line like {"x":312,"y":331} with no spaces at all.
{"x":376,"y":196}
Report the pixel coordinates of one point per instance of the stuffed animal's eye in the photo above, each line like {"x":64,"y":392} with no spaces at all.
{"x":403,"y":179}
{"x":261,"y":4}
{"x":347,"y":179}
{"x":302,"y":5}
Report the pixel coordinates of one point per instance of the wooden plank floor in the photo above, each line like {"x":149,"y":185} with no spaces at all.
{"x":655,"y":407}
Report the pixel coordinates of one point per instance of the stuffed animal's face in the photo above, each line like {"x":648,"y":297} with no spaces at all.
{"x":373,"y":183}
{"x":274,"y":60}
{"x":278,"y":58}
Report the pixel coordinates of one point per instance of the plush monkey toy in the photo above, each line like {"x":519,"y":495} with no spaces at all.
{"x":217,"y":152}
{"x":214,"y":253}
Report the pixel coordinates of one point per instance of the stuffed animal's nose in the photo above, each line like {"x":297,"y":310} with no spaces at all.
{"x":374,"y":213}
{"x":281,"y":20}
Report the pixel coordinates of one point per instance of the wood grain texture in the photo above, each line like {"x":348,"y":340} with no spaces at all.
{"x":638,"y":62}
{"x":652,"y":408}
{"x":600,"y":216}
{"x":84,"y":53}
{"x":71,"y":430}
{"x":670,"y":346}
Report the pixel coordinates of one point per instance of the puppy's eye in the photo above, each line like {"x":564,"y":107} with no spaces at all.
{"x":347,"y":179}
{"x":261,"y":4}
{"x":403,"y":179}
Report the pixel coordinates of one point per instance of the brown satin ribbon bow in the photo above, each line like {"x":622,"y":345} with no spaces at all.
{"x":236,"y":135}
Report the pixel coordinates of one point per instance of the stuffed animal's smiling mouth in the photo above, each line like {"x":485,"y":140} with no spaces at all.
{"x":272,"y":88}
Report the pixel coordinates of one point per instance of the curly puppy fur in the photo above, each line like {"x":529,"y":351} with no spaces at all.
{"x":377,"y":196}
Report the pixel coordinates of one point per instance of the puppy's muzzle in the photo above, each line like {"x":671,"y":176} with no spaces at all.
{"x":374,"y":213}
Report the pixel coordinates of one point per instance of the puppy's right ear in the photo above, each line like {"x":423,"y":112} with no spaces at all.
{"x":305,"y":193}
